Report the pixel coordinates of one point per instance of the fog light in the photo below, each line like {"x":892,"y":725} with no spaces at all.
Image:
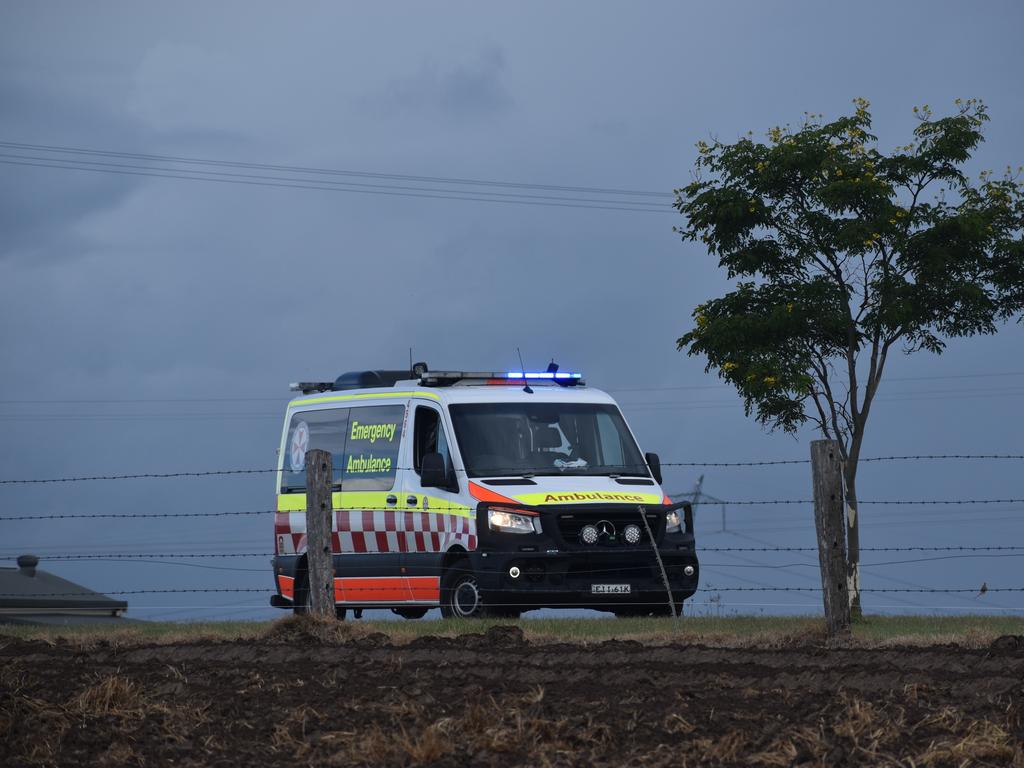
{"x":632,"y":534}
{"x":588,"y":535}
{"x":514,"y":571}
{"x":688,"y":570}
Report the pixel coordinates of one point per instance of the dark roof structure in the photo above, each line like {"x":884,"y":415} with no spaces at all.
{"x":31,"y":596}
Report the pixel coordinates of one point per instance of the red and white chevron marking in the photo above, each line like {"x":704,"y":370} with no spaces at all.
{"x":365,"y":530}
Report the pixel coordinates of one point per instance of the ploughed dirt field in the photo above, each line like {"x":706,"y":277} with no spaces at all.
{"x":312,"y":694}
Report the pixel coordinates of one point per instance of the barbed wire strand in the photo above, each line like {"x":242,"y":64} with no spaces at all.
{"x":768,"y":463}
{"x":183,"y":555}
{"x":441,"y":510}
{"x":204,"y":590}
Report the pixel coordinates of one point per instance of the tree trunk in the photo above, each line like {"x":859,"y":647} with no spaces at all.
{"x":852,"y":539}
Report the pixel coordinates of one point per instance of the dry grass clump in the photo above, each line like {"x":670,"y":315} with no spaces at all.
{"x":112,"y":695}
{"x":108,"y":707}
{"x":857,"y":731}
{"x":516,"y":730}
{"x":964,"y":740}
{"x":21,"y":715}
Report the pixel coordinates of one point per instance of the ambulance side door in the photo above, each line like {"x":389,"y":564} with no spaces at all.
{"x":368,"y":505}
{"x":438,"y":517}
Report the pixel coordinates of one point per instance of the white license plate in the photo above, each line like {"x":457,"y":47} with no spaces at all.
{"x":610,"y":589}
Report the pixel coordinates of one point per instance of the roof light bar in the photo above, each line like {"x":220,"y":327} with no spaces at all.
{"x":519,"y":375}
{"x":498,"y":378}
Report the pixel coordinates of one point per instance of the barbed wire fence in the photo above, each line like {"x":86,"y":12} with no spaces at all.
{"x":736,"y":558}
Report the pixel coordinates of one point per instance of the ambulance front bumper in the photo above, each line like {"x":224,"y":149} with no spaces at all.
{"x":554,"y":568}
{"x":564,"y":579}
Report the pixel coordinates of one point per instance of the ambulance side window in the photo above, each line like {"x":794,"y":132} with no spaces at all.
{"x":371,"y":453}
{"x":326,"y":430}
{"x":429,"y":437}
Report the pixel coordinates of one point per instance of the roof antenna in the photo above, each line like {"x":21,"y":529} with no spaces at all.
{"x":526,"y":384}
{"x":411,"y":372}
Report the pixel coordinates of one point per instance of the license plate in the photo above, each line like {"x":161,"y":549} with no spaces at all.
{"x":610,"y":589}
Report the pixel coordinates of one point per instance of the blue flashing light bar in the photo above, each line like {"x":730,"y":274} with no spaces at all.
{"x":518,"y":375}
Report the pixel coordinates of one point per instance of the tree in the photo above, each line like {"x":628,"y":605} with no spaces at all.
{"x":840,"y":253}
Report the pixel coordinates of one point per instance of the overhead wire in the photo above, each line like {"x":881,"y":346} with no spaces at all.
{"x":324,"y":186}
{"x":331,"y":171}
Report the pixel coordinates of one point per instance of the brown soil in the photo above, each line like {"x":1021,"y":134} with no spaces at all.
{"x":310,"y":694}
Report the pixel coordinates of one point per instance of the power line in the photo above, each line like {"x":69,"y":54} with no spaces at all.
{"x":341,"y":185}
{"x":255,"y":180}
{"x":333,"y":171}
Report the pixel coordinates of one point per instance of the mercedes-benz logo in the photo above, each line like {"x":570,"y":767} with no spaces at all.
{"x":605,"y":530}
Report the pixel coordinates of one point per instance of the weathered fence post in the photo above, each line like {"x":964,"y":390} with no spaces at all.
{"x":826,"y":468}
{"x":661,"y":565}
{"x":319,"y":510}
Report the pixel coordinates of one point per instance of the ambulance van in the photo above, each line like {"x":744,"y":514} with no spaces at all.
{"x":482,"y":494}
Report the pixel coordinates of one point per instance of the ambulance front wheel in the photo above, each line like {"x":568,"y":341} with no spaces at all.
{"x":460,"y":593}
{"x":302,"y":605}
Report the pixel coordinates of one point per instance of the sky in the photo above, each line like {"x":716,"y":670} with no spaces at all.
{"x":152,"y":324}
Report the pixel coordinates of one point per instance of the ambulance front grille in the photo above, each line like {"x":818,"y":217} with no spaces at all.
{"x":570,"y":524}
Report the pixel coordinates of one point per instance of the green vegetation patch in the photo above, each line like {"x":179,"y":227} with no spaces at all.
{"x":747,"y":631}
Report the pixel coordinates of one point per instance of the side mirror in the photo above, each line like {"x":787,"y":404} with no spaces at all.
{"x":433,"y":473}
{"x":655,"y":466}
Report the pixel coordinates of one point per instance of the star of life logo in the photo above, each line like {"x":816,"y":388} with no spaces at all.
{"x":299,"y":446}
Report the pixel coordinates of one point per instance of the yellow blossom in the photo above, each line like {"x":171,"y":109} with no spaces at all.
{"x":730,"y":367}
{"x":770,"y":380}
{"x":789,"y":307}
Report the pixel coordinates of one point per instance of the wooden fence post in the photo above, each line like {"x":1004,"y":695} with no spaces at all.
{"x":319,"y":511}
{"x":826,"y":468}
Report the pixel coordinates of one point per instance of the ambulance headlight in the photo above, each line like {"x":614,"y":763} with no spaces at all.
{"x":508,"y":521}
{"x":673,"y":523}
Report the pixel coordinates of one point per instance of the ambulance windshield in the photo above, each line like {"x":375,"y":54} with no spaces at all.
{"x":518,"y":439}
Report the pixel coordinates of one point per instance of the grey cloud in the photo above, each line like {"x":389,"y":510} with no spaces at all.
{"x":473,"y":89}
{"x":33,"y":198}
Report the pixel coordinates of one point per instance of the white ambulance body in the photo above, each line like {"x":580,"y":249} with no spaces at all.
{"x":481,"y":494}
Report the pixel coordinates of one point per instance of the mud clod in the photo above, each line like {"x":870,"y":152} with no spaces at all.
{"x":1008,"y":643}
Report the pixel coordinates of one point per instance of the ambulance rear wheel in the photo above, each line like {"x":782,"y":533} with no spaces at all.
{"x":300,"y":599}
{"x":301,"y":605}
{"x":460,"y":593}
